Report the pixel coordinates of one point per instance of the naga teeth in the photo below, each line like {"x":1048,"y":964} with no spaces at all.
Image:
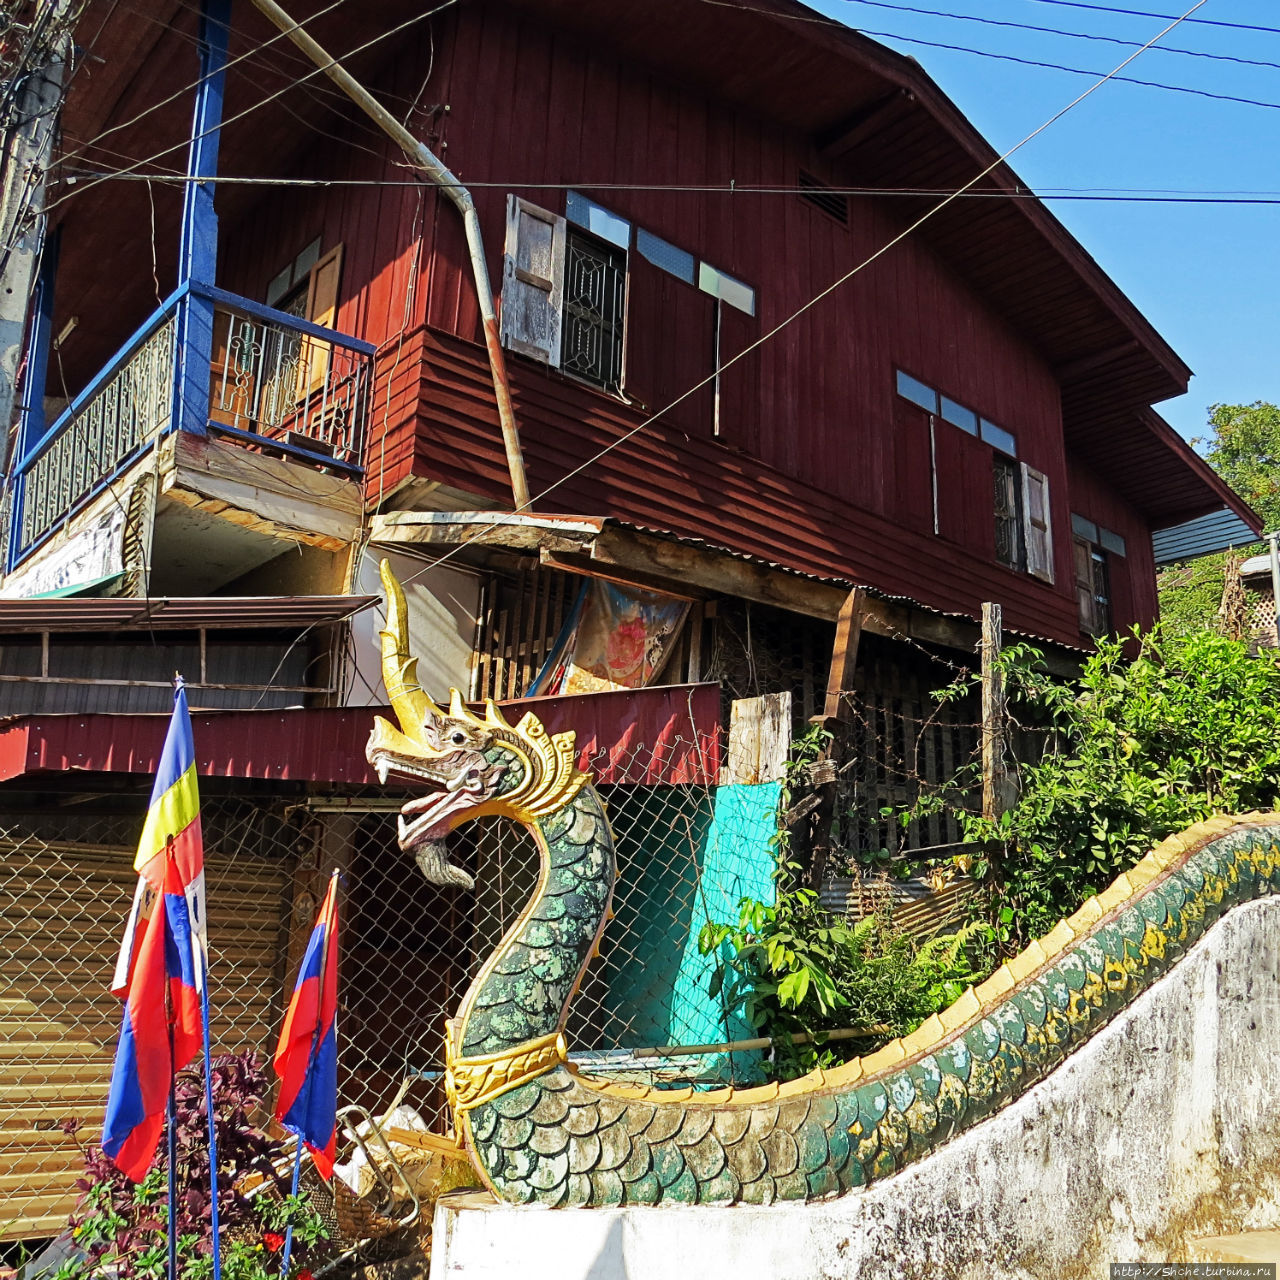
{"x":382,"y":772}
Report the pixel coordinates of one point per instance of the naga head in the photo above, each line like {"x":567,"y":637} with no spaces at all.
{"x":470,"y":765}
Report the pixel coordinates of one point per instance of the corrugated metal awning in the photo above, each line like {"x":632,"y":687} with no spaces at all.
{"x":641,"y":737}
{"x":176,"y":614}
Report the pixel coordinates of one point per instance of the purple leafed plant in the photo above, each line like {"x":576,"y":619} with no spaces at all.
{"x":123,"y":1224}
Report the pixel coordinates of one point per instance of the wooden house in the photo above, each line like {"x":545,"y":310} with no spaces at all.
{"x":740,"y":377}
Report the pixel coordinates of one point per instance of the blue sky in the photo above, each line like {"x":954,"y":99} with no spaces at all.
{"x":1207,"y":276}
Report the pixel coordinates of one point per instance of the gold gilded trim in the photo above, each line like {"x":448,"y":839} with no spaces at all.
{"x":470,"y":1081}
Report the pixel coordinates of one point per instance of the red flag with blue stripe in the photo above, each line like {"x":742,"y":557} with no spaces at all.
{"x":307,"y":1057}
{"x":161,"y":968}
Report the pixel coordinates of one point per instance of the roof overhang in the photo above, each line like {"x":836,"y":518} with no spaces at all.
{"x":68,"y":614}
{"x":655,"y":559}
{"x":1154,"y":469}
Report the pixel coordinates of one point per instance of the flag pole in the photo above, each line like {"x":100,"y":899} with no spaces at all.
{"x":315,"y":1041}
{"x":208,"y":1099}
{"x":171,"y":1129}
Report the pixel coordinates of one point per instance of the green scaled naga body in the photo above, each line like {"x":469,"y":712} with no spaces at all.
{"x":539,"y":1132}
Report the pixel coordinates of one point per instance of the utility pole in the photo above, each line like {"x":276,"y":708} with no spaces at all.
{"x":28,"y":149}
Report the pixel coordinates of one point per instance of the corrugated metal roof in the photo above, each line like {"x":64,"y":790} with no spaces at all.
{"x":678,"y":727}
{"x":1199,"y":537}
{"x":502,"y":529}
{"x":177,"y":614}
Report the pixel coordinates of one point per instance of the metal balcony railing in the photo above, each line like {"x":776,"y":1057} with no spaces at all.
{"x":270,"y":381}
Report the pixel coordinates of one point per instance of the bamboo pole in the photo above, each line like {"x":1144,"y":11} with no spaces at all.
{"x":761,"y":1042}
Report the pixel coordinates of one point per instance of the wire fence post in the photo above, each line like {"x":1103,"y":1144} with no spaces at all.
{"x":994,"y":782}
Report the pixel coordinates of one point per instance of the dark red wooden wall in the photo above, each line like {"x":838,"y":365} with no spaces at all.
{"x":819,"y":464}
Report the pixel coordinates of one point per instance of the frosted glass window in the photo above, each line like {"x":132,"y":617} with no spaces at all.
{"x":662,"y":253}
{"x":1000,"y":438}
{"x":1083,"y":528}
{"x":598,"y":220}
{"x":723,"y":286}
{"x":959,"y":416}
{"x":1111,"y":541}
{"x":917,"y":392}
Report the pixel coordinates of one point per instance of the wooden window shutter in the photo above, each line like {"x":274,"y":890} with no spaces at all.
{"x":1082,"y":560}
{"x":322,"y":309}
{"x":1035,"y":523}
{"x":533,"y":281}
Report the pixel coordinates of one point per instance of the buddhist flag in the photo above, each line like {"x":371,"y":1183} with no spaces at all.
{"x":160,"y":972}
{"x":307,"y":1057}
{"x":172,"y":827}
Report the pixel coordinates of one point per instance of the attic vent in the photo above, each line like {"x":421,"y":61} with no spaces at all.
{"x":816,"y":192}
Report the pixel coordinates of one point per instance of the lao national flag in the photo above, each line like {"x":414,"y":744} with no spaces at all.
{"x":171,"y":831}
{"x":307,"y":1057}
{"x":144,"y":1065}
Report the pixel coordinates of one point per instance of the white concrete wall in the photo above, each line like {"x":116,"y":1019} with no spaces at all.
{"x":443,"y":603}
{"x":1164,"y":1126}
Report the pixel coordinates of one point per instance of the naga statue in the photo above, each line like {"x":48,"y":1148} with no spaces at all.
{"x":540,"y":1132}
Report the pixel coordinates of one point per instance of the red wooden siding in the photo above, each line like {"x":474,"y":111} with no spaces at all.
{"x":819,"y":464}
{"x":1132,"y":576}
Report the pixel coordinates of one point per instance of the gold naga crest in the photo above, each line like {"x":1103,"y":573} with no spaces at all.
{"x":428,"y":736}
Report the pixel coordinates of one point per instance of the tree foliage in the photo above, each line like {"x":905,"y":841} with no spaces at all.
{"x":1139,"y":748}
{"x":1244,"y":449}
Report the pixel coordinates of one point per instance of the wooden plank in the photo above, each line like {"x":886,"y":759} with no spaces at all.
{"x":759,"y":739}
{"x":284,"y":496}
{"x":844,"y":655}
{"x":993,"y":715}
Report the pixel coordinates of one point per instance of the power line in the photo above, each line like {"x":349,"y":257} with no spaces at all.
{"x":1142,"y":13}
{"x":1102,"y":194}
{"x":817,"y":298}
{"x":1055,"y":66}
{"x":1058,"y":31}
{"x":368,"y":44}
{"x":187,"y":88}
{"x":1002,"y":57}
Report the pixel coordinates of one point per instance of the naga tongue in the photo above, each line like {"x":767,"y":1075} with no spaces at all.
{"x":433,"y":861}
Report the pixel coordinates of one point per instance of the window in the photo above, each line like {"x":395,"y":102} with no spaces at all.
{"x":565,"y":285}
{"x":1020,"y":497}
{"x":595,"y":287}
{"x":1010,"y":549}
{"x":1093,"y":549}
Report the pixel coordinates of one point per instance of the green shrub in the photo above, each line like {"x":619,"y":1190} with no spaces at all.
{"x":1142,"y":745}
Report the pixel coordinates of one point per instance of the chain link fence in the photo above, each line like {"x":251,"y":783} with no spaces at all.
{"x":408,"y":948}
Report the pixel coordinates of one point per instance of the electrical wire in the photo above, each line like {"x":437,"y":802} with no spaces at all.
{"x":817,"y":298}
{"x":1058,"y":31}
{"x":1121,"y":195}
{"x":1055,"y":66}
{"x":1163,"y":17}
{"x":315,"y":71}
{"x":1001,"y":57}
{"x":195,"y":84}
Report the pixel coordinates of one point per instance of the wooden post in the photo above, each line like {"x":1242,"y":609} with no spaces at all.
{"x":759,"y":739}
{"x":993,"y":714}
{"x":835,"y":717}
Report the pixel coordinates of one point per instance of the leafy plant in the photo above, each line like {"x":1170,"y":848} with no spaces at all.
{"x":1158,"y":732}
{"x":122,"y":1226}
{"x":791,"y":969}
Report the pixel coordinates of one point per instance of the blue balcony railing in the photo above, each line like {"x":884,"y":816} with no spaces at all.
{"x":205,"y":361}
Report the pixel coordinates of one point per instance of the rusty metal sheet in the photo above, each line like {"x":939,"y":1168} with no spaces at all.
{"x":669,"y":734}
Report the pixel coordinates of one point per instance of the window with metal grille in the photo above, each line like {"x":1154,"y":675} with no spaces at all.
{"x":1010,"y":549}
{"x":595,"y":281}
